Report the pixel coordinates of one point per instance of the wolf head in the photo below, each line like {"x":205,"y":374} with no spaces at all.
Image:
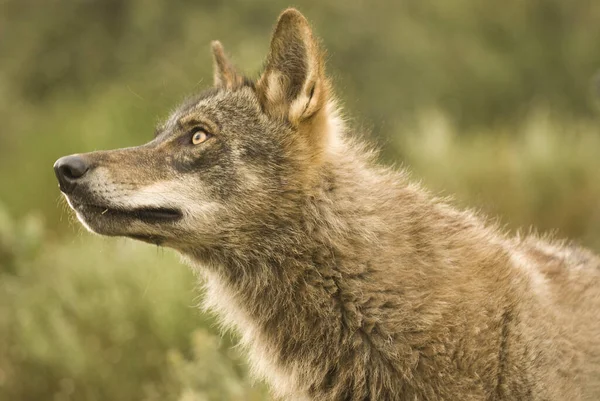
{"x":225,"y":162}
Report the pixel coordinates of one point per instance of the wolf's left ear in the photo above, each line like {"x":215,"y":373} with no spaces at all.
{"x":225,"y":74}
{"x":293,"y":84}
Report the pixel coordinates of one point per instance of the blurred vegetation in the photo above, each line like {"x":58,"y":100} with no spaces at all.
{"x":92,"y":319}
{"x":495,"y":103}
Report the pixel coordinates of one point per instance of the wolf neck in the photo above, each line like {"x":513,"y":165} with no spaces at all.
{"x":291,"y":304}
{"x":293,"y":296}
{"x":316,"y":290}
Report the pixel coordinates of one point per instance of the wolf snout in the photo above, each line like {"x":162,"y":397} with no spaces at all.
{"x":69,"y":170}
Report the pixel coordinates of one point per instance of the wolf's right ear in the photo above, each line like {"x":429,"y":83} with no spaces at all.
{"x":225,"y":74}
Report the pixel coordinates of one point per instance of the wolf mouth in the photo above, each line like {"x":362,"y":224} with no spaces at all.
{"x":146,"y":214}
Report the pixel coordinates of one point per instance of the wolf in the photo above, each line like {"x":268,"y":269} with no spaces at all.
{"x":344,"y":279}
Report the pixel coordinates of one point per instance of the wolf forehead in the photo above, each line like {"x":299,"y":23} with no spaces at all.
{"x":215,"y":104}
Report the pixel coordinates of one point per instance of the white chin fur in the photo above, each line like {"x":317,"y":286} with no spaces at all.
{"x":83,"y":223}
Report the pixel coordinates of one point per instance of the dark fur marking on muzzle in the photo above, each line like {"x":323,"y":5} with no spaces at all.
{"x":147,"y":215}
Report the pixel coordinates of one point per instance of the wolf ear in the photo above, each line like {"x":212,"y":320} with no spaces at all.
{"x":225,"y":74}
{"x":293,"y":84}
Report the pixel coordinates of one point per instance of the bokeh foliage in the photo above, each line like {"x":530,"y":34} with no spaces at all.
{"x":493,"y":102}
{"x":89,"y":319}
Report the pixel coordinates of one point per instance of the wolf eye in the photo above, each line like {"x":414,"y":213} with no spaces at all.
{"x":200,"y":136}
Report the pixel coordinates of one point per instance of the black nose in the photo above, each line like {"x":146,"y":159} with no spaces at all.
{"x":68,"y":170}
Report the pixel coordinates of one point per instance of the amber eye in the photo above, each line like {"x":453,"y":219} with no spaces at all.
{"x":200,"y":136}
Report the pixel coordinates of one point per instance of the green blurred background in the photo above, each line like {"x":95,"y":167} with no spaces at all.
{"x":495,"y":103}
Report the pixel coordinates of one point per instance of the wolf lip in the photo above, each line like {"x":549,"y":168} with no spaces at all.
{"x":145,"y":213}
